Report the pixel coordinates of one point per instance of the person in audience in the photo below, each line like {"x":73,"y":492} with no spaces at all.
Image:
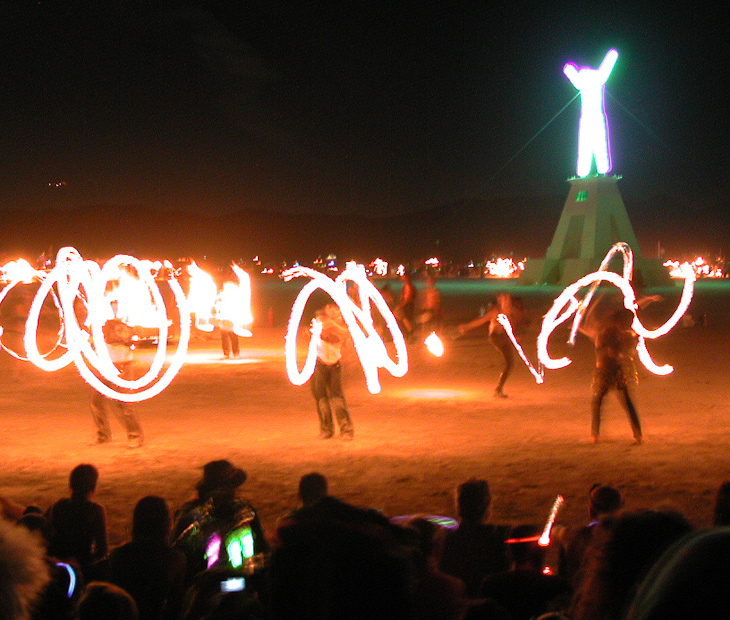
{"x":105,"y":601}
{"x":202,"y":525}
{"x":477,"y":548}
{"x":147,"y":568}
{"x":78,"y":524}
{"x":23,"y":571}
{"x":318,"y":506}
{"x":335,"y":560}
{"x":603,"y":501}
{"x":58,"y":599}
{"x":690,"y":581}
{"x":9,"y":509}
{"x":525,"y":591}
{"x":440,"y":595}
{"x":623,"y":550}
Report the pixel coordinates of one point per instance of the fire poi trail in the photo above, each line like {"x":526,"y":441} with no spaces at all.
{"x":82,"y":287}
{"x":576,"y":308}
{"x":369,"y":345}
{"x":83,"y":293}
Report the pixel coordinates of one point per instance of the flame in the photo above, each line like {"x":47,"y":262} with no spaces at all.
{"x":369,"y":346}
{"x":201,"y":297}
{"x":503,"y":268}
{"x":700,"y":267}
{"x":135,"y":302}
{"x":19,"y":272}
{"x":379,"y":267}
{"x":233,"y":304}
{"x":434,"y":345}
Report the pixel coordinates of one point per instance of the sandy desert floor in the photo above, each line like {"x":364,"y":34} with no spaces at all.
{"x":414,"y":442}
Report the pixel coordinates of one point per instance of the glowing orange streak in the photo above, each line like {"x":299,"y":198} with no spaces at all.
{"x":554,"y":317}
{"x":628,"y":270}
{"x":539,"y":375}
{"x":21,"y":272}
{"x":544,"y":540}
{"x":70,"y":274}
{"x":369,"y":346}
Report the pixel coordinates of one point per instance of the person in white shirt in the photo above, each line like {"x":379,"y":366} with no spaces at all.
{"x":326,"y":382}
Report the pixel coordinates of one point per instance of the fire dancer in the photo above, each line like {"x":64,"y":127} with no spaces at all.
{"x":513,"y":309}
{"x":406,"y":306}
{"x":430,"y":312}
{"x":118,"y":338}
{"x":326,"y":382}
{"x":615,"y":343}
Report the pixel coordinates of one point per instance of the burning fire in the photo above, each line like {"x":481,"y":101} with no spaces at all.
{"x":18,"y":272}
{"x":379,"y":267}
{"x":370,"y":347}
{"x":503,"y":268}
{"x":229,"y":307}
{"x":434,"y":345}
{"x":701,"y":268}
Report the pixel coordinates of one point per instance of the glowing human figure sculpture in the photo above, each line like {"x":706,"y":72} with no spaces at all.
{"x":593,"y":132}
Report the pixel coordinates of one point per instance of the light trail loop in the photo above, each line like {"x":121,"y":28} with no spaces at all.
{"x":370,"y":347}
{"x":567,"y":303}
{"x":78,"y":280}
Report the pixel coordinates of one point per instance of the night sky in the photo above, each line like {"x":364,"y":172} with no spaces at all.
{"x":357,"y":108}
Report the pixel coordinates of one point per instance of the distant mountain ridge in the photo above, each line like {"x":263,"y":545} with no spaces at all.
{"x":469,"y":229}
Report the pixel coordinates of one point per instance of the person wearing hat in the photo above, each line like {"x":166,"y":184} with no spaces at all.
{"x":216,"y":511}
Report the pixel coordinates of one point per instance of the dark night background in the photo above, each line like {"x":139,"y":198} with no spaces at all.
{"x":292,"y":129}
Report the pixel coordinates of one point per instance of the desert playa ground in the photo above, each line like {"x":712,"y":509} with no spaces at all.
{"x":414,"y":442}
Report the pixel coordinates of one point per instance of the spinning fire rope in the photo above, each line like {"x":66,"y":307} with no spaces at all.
{"x":370,"y":347}
{"x":78,"y":279}
{"x":558,"y":314}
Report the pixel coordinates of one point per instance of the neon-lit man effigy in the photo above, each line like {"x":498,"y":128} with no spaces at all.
{"x":84,"y":282}
{"x":359,"y":320}
{"x":593,"y":133}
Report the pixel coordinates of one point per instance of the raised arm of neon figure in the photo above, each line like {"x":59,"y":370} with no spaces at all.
{"x":573,"y":74}
{"x":607,"y":66}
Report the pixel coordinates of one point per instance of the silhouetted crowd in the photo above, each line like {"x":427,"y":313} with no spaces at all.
{"x":210,"y":559}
